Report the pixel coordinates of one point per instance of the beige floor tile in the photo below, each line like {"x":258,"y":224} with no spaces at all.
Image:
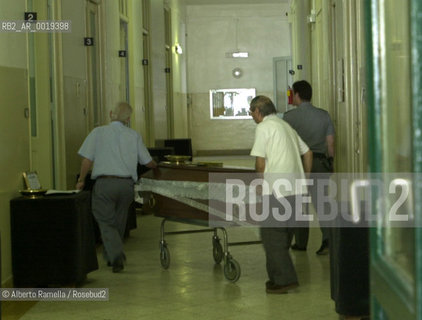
{"x":194,"y":287}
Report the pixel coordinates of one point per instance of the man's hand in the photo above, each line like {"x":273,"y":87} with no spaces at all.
{"x":80,"y":185}
{"x":85,"y":166}
{"x":330,"y":164}
{"x":307,"y":163}
{"x":152,"y":164}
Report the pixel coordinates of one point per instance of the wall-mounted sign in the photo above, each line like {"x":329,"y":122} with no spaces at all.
{"x":88,"y":42}
{"x":30,"y":16}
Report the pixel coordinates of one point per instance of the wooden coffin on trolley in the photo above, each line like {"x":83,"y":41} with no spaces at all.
{"x":193,"y":194}
{"x":180,"y":190}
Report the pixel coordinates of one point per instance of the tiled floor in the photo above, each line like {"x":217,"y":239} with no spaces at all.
{"x":194,"y":287}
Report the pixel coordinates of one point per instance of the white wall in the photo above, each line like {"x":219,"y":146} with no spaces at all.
{"x":14,"y":138}
{"x":13,"y":53}
{"x":263,"y":31}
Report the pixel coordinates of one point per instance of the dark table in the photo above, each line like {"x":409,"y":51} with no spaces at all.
{"x":52,"y":239}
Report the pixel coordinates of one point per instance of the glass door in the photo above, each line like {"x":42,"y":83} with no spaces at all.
{"x":394,"y":149}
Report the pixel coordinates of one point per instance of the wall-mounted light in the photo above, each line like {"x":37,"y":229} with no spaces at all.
{"x":240,"y":54}
{"x":178,"y":49}
{"x":237,"y":54}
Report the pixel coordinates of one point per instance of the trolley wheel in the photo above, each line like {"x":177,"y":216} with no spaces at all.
{"x":217,"y":251}
{"x":165,"y":257}
{"x":232,"y":270}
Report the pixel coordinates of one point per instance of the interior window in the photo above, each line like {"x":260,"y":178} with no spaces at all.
{"x":231,"y":103}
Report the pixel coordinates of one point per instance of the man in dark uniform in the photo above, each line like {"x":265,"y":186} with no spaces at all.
{"x":315,"y":128}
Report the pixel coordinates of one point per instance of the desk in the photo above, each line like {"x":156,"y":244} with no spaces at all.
{"x":52,"y":239}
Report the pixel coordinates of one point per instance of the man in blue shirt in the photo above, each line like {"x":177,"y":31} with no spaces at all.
{"x":113,"y":151}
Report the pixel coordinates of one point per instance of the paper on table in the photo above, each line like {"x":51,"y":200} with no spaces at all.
{"x":52,"y":191}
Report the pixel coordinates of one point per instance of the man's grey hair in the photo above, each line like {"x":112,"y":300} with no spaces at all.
{"x":264,"y":105}
{"x":121,"y":112}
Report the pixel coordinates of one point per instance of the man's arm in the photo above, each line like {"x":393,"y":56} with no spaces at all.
{"x":259,"y":168}
{"x":330,"y":145}
{"x":307,"y":162}
{"x":152,"y":164}
{"x":260,"y":164}
{"x":85,"y":167}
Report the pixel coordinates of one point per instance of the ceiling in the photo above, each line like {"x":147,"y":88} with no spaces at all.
{"x":219,"y":2}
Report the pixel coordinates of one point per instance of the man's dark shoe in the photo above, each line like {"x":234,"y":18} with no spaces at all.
{"x":279,"y":289}
{"x":269,"y":284}
{"x":109,"y":264}
{"x":297,"y":248}
{"x":118,"y":265}
{"x":324,"y":249}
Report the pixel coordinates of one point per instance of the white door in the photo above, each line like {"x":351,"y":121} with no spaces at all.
{"x":282,"y":80}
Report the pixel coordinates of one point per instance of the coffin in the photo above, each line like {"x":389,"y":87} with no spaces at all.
{"x":181,"y":191}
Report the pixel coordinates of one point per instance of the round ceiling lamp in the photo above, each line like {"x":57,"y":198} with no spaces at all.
{"x":237,"y":73}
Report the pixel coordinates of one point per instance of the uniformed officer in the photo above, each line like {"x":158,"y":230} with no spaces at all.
{"x":315,"y":128}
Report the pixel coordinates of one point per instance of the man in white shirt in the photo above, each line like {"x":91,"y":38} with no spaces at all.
{"x":278,"y":150}
{"x":114,"y":151}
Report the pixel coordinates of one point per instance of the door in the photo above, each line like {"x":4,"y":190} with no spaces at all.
{"x":148,"y":104}
{"x":41,"y":97}
{"x":94,"y":104}
{"x":169,"y":75}
{"x":282,"y":80}
{"x":395,"y":110}
{"x":124,"y":62}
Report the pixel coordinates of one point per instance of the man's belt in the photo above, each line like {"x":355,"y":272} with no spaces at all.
{"x":112,"y":177}
{"x":319,"y":155}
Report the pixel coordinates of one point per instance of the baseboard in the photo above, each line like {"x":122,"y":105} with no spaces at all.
{"x":236,"y":152}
